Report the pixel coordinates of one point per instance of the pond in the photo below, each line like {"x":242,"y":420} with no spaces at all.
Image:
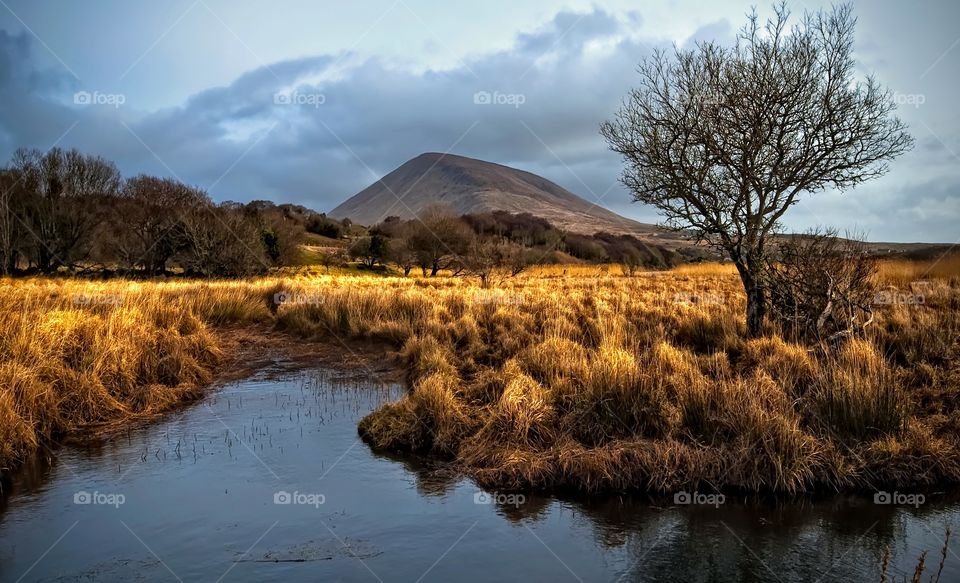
{"x":266,"y":479}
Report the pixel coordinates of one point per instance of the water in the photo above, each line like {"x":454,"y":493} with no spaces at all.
{"x":194,"y":497}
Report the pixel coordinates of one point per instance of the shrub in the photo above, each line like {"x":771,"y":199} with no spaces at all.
{"x":821,"y":286}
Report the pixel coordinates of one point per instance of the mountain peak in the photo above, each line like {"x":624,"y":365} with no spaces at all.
{"x":468,"y":185}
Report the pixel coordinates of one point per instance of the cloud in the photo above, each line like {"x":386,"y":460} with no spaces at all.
{"x":318,"y":129}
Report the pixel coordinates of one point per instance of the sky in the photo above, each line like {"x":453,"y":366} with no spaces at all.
{"x":311,"y":101}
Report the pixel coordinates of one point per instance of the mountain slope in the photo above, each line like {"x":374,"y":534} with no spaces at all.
{"x":466,"y":185}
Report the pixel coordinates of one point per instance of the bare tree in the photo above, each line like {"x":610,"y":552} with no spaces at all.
{"x":10,"y":229}
{"x":369,"y":250}
{"x":336,"y":257}
{"x":63,"y":198}
{"x":148,"y":220}
{"x":723,"y":140}
{"x":632,"y":262}
{"x":484,"y":257}
{"x":440,"y":240}
{"x":518,"y":259}
{"x":399,"y":235}
{"x":401,"y":254}
{"x":223,"y":242}
{"x":491,"y":259}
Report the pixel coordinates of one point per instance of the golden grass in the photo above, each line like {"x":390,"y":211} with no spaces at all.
{"x":575,"y":270}
{"x":902,"y":271}
{"x":706,"y":268}
{"x":74,"y":353}
{"x":586,"y":382}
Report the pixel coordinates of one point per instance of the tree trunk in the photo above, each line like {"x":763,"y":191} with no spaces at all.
{"x":751,"y":274}
{"x":155,"y":267}
{"x":44,"y":258}
{"x":756,"y":309}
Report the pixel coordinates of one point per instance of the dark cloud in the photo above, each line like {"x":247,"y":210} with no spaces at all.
{"x":341,"y":122}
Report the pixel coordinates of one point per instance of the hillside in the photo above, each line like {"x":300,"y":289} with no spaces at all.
{"x":466,"y":185}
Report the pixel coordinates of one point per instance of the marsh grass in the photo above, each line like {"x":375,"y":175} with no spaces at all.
{"x":593,"y":382}
{"x":903,"y":272}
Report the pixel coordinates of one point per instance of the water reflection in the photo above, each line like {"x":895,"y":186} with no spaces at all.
{"x":842,"y":537}
{"x":200,"y":485}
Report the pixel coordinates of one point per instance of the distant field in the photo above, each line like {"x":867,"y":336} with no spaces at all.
{"x":567,"y":376}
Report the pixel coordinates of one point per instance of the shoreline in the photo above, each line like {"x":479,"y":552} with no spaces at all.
{"x":252,"y":349}
{"x":262,"y":349}
{"x":589,"y":384}
{"x":248,"y":350}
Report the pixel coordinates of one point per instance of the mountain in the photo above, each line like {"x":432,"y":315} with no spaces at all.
{"x":466,"y":185}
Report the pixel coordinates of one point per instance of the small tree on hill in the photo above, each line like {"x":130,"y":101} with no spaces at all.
{"x":440,"y":240}
{"x":369,"y":250}
{"x":724,"y":140}
{"x":490,"y":259}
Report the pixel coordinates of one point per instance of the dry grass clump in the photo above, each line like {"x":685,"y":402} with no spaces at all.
{"x":706,"y":269}
{"x":523,"y":414}
{"x":558,"y":362}
{"x":424,"y":356}
{"x":76,"y":353}
{"x":512,"y":444}
{"x":893,"y":459}
{"x":771,"y":448}
{"x":919,"y":324}
{"x":24,"y":393}
{"x":791,"y":365}
{"x":856,"y":394}
{"x":431,"y":419}
{"x":622,"y":383}
{"x":619,"y":399}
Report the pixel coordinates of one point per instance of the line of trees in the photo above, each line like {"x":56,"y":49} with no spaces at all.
{"x":65,"y":211}
{"x":494,"y":244}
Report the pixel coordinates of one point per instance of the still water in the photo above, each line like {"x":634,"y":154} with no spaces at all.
{"x":266,"y":480}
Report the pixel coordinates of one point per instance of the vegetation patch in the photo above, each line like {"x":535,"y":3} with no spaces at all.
{"x":591,"y":382}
